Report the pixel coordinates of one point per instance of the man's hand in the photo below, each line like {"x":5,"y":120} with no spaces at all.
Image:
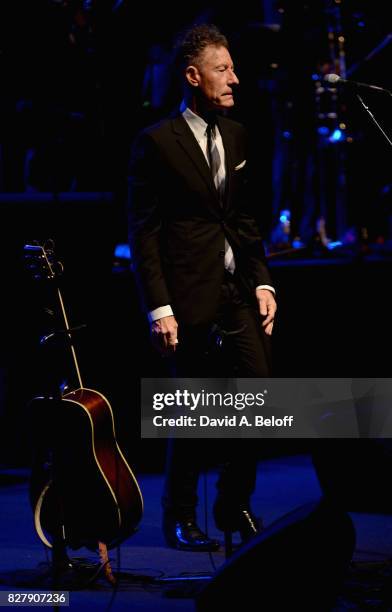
{"x":267,"y":308}
{"x":164,"y":335}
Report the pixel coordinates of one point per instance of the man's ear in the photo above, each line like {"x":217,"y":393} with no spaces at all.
{"x":192,"y":76}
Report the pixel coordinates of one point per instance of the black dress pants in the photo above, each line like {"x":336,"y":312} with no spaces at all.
{"x":245,"y":353}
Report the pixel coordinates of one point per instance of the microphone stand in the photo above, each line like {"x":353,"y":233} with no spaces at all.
{"x":373,"y":119}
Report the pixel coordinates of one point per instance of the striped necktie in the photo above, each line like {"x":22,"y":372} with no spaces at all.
{"x":218,"y":177}
{"x":215,"y":162}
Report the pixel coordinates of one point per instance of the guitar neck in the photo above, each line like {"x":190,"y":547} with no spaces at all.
{"x":41,"y":263}
{"x":69,"y":334}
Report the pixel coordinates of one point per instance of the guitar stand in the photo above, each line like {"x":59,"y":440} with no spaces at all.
{"x":60,"y":561}
{"x":76,"y":573}
{"x":68,"y":333}
{"x":65,"y":572}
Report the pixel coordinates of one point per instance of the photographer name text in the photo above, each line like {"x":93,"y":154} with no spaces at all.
{"x":225,"y":421}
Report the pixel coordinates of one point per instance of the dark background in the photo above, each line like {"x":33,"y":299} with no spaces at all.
{"x":75,"y":91}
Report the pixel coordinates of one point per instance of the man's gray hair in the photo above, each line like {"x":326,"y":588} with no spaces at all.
{"x":191,"y":43}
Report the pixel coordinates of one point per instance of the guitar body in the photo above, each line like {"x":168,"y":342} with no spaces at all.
{"x":81,"y":483}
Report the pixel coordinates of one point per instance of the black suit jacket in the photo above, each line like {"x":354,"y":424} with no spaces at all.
{"x":178,"y":225}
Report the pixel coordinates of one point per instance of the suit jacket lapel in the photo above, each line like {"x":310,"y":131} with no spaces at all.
{"x":191,"y":147}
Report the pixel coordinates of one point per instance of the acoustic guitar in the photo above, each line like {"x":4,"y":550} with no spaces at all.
{"x":81,"y":485}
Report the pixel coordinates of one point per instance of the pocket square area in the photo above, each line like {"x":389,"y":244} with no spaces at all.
{"x":241,"y":165}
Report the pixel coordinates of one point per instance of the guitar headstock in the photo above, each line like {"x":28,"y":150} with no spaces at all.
{"x":41,"y":261}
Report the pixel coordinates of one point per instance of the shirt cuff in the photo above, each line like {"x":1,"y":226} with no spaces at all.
{"x":159,"y":313}
{"x":267,"y":287}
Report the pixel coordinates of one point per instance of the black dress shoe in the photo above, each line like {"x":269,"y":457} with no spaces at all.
{"x":186,"y":535}
{"x":230,"y":518}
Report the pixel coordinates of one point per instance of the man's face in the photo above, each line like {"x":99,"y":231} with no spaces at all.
{"x":215,"y":77}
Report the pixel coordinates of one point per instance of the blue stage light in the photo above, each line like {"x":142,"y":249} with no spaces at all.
{"x":297,"y":244}
{"x":334,"y":245}
{"x":285,"y":216}
{"x":323,"y":130}
{"x":336,"y":136}
{"x":122,"y":251}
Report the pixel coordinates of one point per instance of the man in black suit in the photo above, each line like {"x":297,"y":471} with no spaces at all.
{"x":199,"y":263}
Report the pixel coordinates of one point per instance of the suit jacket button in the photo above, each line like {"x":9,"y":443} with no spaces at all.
{"x":221,"y":253}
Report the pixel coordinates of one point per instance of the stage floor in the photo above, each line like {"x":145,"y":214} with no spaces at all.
{"x":283,"y":484}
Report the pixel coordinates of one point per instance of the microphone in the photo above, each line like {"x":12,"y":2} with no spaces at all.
{"x":335,"y":79}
